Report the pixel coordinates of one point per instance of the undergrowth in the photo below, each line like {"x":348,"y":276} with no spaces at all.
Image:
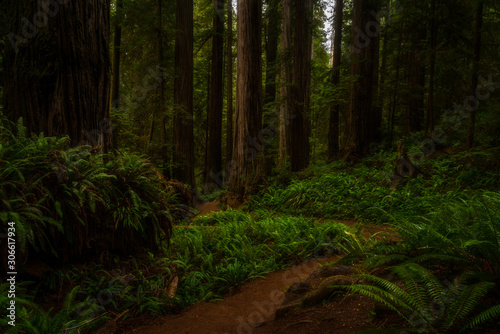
{"x":67,"y":201}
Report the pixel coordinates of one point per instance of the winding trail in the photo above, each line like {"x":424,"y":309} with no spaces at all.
{"x":253,"y":304}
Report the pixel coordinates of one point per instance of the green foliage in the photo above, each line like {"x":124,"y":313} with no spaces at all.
{"x":465,"y":231}
{"x":64,"y":200}
{"x":428,"y":304}
{"x":228,"y":248}
{"x":363,"y":193}
{"x":32,"y":319}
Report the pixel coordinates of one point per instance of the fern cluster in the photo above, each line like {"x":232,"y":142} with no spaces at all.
{"x":65,"y":200}
{"x":225,"y":249}
{"x":464,"y":232}
{"x":428,"y":304}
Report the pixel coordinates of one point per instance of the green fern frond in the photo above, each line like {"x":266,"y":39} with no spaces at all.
{"x":411,"y":275}
{"x":493,"y":313}
{"x":383,"y":297}
{"x":466,"y":302}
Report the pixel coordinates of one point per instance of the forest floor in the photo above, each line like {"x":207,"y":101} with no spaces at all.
{"x":251,"y":307}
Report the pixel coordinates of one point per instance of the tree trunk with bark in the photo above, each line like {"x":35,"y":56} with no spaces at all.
{"x":247,"y":149}
{"x":363,"y":48}
{"x":475,"y":71}
{"x":299,"y":126}
{"x":115,"y":91}
{"x":229,"y":89}
{"x":333,"y":131}
{"x":58,"y":62}
{"x":272,"y":17}
{"x":213,"y":167}
{"x":429,"y":124}
{"x":286,"y":81}
{"x":160,"y":109}
{"x":271,"y":112}
{"x":416,"y":91}
{"x":183,"y":96}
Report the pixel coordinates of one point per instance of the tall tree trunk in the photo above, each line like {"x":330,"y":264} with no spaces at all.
{"x":115,"y":91}
{"x":392,"y":118}
{"x":115,"y":83}
{"x":333,"y":131}
{"x":429,"y":128}
{"x":357,"y":141}
{"x":183,"y":95}
{"x":229,"y":85}
{"x":416,"y":88}
{"x":286,"y":81}
{"x":248,"y":125}
{"x":272,"y":37}
{"x":299,"y":152}
{"x":214,"y":144}
{"x":475,"y":70}
{"x":160,"y":110}
{"x":383,"y":69}
{"x":63,"y":84}
{"x":375,"y":117}
{"x":271,"y":50}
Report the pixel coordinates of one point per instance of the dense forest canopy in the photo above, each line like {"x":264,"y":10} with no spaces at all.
{"x":401,"y":67}
{"x":121,"y":119}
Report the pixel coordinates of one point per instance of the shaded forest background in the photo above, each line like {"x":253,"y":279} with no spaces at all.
{"x":119,"y":117}
{"x":397,"y":68}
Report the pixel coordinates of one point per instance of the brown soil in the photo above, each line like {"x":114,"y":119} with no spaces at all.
{"x":208,"y":207}
{"x":253,"y":304}
{"x":252,"y":308}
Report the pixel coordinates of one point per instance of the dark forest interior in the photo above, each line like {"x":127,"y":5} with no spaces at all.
{"x":164,"y":165}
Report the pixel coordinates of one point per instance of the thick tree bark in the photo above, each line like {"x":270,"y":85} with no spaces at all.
{"x":363,"y":48}
{"x":183,"y":95}
{"x":333,"y":131}
{"x":429,"y":127}
{"x":214,"y":145}
{"x":299,"y":127}
{"x":160,"y":109}
{"x":272,"y":113}
{"x":392,"y":115}
{"x":375,"y":117}
{"x":229,"y":86}
{"x":416,"y":89}
{"x":59,"y":69}
{"x":383,"y":66}
{"x":248,"y":125}
{"x":115,"y":91}
{"x":271,"y":50}
{"x":475,"y":70}
{"x":286,"y":81}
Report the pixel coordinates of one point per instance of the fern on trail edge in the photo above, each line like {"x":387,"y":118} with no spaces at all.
{"x":65,"y":201}
{"x":428,"y":304}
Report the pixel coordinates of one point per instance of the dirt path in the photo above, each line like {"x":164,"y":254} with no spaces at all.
{"x":253,"y":305}
{"x":208,"y":207}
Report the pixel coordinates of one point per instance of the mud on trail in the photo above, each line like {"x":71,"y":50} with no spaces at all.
{"x":252,"y":307}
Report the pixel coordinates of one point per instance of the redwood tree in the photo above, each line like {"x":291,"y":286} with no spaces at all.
{"x":115,"y":91}
{"x":475,"y":70}
{"x":363,"y":49}
{"x":299,"y":126}
{"x":286,"y":80}
{"x":214,"y":123}
{"x":248,"y":124}
{"x":333,"y":132}
{"x":183,"y":95}
{"x":229,"y":86}
{"x":58,"y":62}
